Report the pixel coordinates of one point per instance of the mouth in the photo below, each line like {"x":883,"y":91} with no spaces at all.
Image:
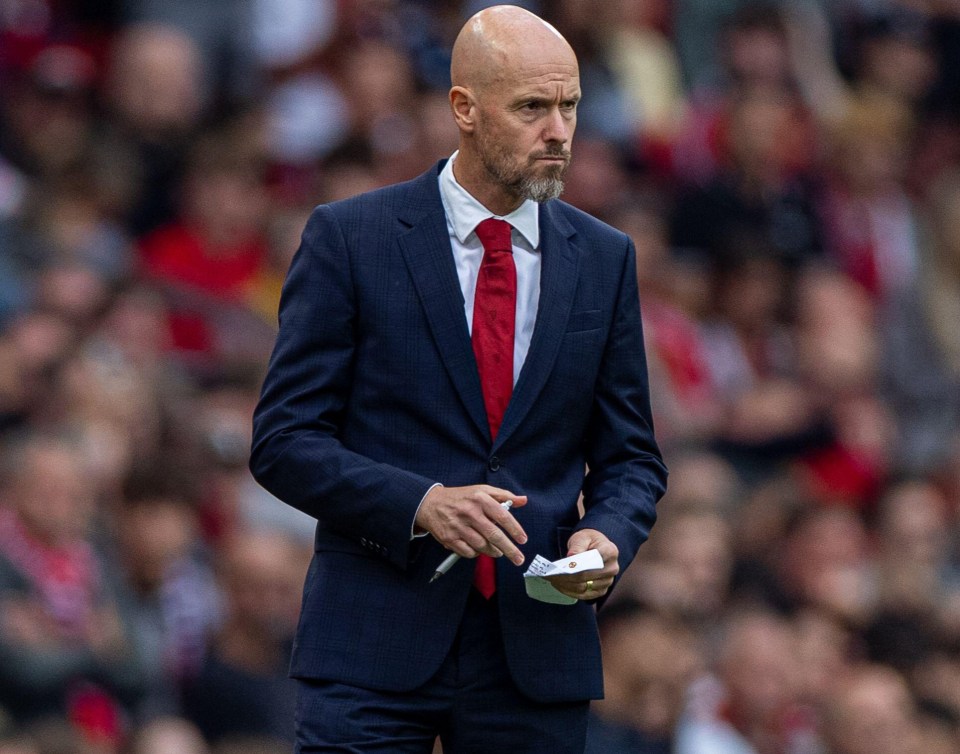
{"x":554,"y":161}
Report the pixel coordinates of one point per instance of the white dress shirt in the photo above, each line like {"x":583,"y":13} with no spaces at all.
{"x":463,"y":214}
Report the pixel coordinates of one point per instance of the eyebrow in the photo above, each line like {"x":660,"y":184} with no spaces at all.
{"x":540,"y":97}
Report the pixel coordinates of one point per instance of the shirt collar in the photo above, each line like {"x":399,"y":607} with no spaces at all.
{"x":465,"y":212}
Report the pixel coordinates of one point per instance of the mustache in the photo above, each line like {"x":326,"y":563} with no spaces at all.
{"x":553,"y":152}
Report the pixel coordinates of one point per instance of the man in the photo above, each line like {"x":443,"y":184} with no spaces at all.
{"x":750,"y":703}
{"x":871,"y":710}
{"x":649,"y":661}
{"x":447,"y":345}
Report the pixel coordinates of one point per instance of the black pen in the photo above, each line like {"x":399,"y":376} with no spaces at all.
{"x":452,"y":558}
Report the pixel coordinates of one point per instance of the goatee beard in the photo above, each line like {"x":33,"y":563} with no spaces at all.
{"x":540,"y":189}
{"x":525,"y":185}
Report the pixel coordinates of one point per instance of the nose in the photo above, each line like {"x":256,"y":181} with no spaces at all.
{"x":555,"y":129}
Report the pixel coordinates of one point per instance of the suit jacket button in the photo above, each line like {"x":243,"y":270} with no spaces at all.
{"x":494,"y":464}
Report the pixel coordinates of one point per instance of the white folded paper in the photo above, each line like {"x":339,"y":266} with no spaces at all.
{"x":541,"y":589}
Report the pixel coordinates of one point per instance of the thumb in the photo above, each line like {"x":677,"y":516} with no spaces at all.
{"x":580,"y":541}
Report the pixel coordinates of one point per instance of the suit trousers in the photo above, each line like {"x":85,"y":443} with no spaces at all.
{"x":471,"y":703}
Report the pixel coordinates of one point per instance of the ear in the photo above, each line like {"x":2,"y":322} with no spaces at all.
{"x":464,"y":107}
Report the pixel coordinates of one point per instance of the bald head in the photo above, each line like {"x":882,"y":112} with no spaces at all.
{"x":498,"y":41}
{"x":514,"y":99}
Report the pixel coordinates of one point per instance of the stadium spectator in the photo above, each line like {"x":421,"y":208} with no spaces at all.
{"x":64,"y":644}
{"x":921,"y":346}
{"x":155,"y":100}
{"x":872,"y":713}
{"x":651,"y":661}
{"x":751,"y":704}
{"x":172,"y":598}
{"x":788,"y":173}
{"x":242,"y":687}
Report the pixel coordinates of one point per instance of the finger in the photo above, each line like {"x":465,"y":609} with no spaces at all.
{"x":588,"y":539}
{"x":597,"y":585}
{"x":609,"y":552}
{"x":574,"y":592}
{"x":581,"y":541}
{"x":462,"y":549}
{"x":566,"y":585}
{"x":592,"y":590}
{"x":493,"y":552}
{"x":580,"y":584}
{"x":490,"y":547}
{"x":597,"y":575}
{"x":486,"y":538}
{"x":502,"y":542}
{"x":502,"y":496}
{"x":475,"y":540}
{"x":509,"y":524}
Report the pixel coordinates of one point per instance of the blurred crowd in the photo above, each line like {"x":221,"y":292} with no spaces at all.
{"x":790,"y":175}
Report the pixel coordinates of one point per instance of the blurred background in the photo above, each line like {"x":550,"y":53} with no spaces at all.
{"x":790,"y":175}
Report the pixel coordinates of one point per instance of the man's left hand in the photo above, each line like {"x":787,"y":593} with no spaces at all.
{"x":589,"y":585}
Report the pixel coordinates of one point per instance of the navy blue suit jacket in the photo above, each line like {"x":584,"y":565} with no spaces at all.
{"x":372,"y":396}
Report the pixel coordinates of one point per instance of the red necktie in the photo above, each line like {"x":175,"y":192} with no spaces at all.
{"x":494,"y":319}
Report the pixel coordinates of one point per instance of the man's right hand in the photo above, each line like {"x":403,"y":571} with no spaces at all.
{"x":470,"y":521}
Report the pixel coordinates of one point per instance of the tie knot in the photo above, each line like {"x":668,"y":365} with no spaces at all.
{"x":494,"y":235}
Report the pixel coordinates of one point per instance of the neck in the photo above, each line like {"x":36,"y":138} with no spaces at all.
{"x":474,"y":177}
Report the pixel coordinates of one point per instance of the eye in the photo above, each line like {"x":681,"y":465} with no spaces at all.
{"x":532,"y":106}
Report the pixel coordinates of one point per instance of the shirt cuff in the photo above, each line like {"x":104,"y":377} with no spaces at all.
{"x":413,"y":524}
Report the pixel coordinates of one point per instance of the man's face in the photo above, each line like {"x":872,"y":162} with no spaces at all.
{"x":525,"y":125}
{"x":53,"y":496}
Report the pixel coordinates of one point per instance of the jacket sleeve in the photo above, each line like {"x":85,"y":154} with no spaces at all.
{"x":297,"y":454}
{"x":626,"y":475}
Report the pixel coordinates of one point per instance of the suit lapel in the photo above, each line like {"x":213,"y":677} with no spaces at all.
{"x":559,"y":266}
{"x":429,"y":258}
